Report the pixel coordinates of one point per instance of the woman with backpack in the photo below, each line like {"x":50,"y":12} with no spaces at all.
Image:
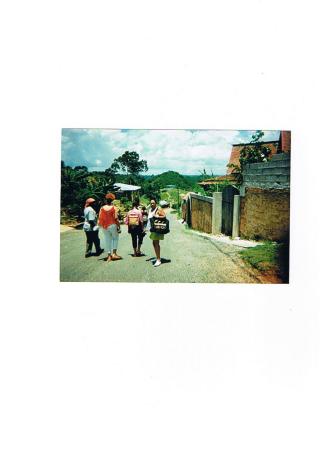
{"x":109,"y":223}
{"x":155,"y":211}
{"x":134,"y":221}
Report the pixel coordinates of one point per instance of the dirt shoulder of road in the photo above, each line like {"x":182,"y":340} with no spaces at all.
{"x":233,"y":248}
{"x":269,"y":277}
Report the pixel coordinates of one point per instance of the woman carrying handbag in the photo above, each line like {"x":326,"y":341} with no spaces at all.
{"x":155,"y":212}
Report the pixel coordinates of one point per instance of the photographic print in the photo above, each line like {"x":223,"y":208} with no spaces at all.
{"x":185,"y":206}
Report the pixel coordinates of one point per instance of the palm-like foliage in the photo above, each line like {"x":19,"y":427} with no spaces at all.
{"x":72,"y":182}
{"x":77,"y":184}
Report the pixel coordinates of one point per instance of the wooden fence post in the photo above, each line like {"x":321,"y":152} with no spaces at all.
{"x":236,"y":217}
{"x":217,"y":212}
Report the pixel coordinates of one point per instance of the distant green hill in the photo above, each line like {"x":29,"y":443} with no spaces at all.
{"x":172,"y":178}
{"x":193,"y":179}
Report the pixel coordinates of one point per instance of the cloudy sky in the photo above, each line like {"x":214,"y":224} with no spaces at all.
{"x":185,"y":151}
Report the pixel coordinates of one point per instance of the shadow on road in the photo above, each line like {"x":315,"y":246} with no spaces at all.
{"x":165,"y":260}
{"x":104,"y":259}
{"x":153,"y":260}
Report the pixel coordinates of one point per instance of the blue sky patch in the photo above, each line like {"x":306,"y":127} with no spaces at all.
{"x":185,"y":151}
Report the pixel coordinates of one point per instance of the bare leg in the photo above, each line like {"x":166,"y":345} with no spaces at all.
{"x":156,"y":246}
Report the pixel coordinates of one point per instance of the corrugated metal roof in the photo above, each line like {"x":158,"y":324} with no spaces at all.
{"x":126,"y":187}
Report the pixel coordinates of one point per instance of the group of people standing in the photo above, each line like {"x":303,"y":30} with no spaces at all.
{"x":137,"y":220}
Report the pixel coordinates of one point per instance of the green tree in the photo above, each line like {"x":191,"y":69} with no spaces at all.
{"x":257,"y":151}
{"x":98,"y":186}
{"x":151,"y":189}
{"x":73,"y":181}
{"x":130,"y":163}
{"x":78,"y":183}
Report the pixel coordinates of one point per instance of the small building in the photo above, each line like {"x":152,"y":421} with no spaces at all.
{"x":126,"y":188}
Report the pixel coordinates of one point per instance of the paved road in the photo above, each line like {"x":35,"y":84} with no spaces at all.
{"x":187,"y":257}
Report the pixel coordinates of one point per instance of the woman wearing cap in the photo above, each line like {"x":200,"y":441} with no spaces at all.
{"x":91,"y":229}
{"x":155,"y":211}
{"x":109,"y":223}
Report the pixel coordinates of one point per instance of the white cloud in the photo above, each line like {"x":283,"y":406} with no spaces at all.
{"x":184,"y":151}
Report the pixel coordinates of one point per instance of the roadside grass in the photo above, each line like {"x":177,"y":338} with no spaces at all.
{"x":176,"y":212}
{"x":272,"y":257}
{"x":172,"y":195}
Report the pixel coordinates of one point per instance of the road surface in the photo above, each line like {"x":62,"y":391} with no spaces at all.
{"x":186,"y":256}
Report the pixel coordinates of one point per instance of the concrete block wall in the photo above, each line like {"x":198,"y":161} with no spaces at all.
{"x":273,"y":174}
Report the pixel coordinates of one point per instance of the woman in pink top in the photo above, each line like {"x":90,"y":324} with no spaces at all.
{"x":134,"y":221}
{"x":109,"y":223}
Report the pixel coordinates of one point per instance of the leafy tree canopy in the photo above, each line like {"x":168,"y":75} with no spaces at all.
{"x":78,"y":183}
{"x":151,"y":189}
{"x":256,"y":151}
{"x":130,"y":163}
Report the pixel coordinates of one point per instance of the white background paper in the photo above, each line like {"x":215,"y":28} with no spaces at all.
{"x":159,"y":366}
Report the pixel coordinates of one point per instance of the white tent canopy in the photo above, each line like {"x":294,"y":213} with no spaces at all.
{"x":126,"y":187}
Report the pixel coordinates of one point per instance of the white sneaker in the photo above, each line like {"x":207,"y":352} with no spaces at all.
{"x":158,"y":262}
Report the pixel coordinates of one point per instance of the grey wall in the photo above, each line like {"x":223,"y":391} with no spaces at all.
{"x":274,"y":174}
